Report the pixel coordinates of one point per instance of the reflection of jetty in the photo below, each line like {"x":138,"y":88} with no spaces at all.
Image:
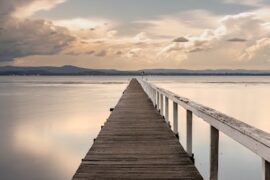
{"x":136,"y":142}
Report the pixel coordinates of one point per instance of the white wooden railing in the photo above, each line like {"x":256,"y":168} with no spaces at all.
{"x":254,"y":139}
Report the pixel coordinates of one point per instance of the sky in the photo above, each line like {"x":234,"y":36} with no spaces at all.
{"x":141,"y":34}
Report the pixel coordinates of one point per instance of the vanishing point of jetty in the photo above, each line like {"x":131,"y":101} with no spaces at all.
{"x":137,"y":142}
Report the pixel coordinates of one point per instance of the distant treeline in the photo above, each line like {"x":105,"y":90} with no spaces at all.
{"x":77,"y":71}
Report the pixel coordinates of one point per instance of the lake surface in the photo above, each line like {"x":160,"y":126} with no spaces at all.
{"x":47,"y":124}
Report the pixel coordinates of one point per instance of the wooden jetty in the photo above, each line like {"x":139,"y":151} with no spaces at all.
{"x":137,"y":142}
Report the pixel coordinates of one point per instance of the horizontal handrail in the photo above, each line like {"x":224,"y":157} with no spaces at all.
{"x":256,"y":140}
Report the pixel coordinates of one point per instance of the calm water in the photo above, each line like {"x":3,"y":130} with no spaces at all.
{"x":47,"y":124}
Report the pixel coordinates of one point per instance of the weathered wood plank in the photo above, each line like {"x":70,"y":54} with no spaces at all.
{"x":136,"y":143}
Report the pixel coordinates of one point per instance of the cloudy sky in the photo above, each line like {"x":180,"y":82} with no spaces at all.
{"x":129,"y":34}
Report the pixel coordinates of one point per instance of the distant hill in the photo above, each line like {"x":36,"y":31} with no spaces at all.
{"x":73,"y":70}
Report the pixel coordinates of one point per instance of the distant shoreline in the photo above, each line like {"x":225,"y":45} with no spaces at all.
{"x":2,"y":75}
{"x":78,"y":71}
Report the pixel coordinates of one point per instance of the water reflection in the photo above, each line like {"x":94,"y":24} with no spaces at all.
{"x":47,"y":128}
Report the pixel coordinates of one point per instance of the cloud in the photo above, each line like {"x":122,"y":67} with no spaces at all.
{"x":134,"y":52}
{"x":112,"y":33}
{"x":211,"y":43}
{"x":203,"y":47}
{"x":198,"y":49}
{"x":26,"y":8}
{"x":90,"y":52}
{"x":119,"y":53}
{"x":101,"y":53}
{"x":258,"y":51}
{"x":236,"y":40}
{"x":184,"y":23}
{"x":88,"y":28}
{"x":181,"y":39}
{"x":20,"y":37}
{"x":79,"y":23}
{"x":35,"y":6}
{"x":194,"y":45}
{"x":243,"y":25}
{"x":141,"y":38}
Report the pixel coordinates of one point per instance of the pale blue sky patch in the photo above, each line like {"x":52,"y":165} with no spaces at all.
{"x":130,"y":10}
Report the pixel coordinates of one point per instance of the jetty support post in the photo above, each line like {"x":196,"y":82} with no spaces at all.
{"x":161,"y":105}
{"x":157,"y":97}
{"x":167,"y":109}
{"x":154,"y":96}
{"x":189,"y":134}
{"x":266,"y":170}
{"x":175,"y":119}
{"x":214,"y":146}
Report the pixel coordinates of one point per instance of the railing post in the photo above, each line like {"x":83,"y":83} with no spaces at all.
{"x":214,"y":143}
{"x":157,"y":96}
{"x":167,"y":109}
{"x":161,"y":104}
{"x":175,"y":119}
{"x":189,"y":133}
{"x":154,"y":96}
{"x":266,"y":170}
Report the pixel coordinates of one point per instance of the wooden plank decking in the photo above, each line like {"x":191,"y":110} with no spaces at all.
{"x":136,"y":143}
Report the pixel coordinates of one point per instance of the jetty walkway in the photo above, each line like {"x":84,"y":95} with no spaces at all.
{"x":137,"y":142}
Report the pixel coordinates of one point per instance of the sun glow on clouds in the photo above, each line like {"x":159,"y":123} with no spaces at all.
{"x":82,"y":23}
{"x":87,"y":28}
